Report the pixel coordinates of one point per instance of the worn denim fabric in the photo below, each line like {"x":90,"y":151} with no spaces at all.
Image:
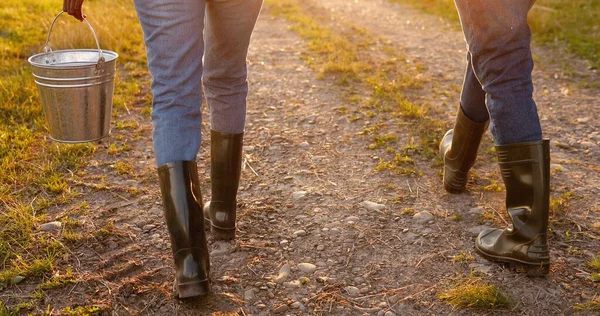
{"x":179,"y":34}
{"x":498,"y":80}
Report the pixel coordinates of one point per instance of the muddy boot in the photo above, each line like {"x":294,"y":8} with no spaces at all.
{"x":525,"y":170}
{"x":225,"y":171}
{"x":458,"y":150}
{"x":182,"y":205}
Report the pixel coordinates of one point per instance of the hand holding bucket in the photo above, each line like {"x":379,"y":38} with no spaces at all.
{"x":76,"y":89}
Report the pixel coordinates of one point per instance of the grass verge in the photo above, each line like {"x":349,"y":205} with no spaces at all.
{"x":38,"y":174}
{"x":574,"y":22}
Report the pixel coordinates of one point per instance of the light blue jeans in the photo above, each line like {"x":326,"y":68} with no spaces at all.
{"x":498,"y":81}
{"x":179,"y":34}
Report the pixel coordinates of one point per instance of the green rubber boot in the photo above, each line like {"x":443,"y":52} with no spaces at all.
{"x":458,"y":151}
{"x":182,"y":205}
{"x":225,"y":171}
{"x":525,"y":170}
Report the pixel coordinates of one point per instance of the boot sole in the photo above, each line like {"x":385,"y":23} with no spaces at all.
{"x":192,"y":289}
{"x":531,"y":269}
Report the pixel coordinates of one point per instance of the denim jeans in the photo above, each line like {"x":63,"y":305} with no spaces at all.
{"x":179,"y":34}
{"x":498,"y":82}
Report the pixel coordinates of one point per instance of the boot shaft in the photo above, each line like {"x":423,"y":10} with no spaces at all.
{"x":525,"y":169}
{"x":225,"y":166}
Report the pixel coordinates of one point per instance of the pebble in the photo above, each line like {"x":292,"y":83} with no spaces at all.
{"x":284,"y":272}
{"x":248,"y":148}
{"x":352,"y":219}
{"x":299,"y":194}
{"x":284,"y":243}
{"x":477,"y":229}
{"x":480,"y":267}
{"x":320,"y":248}
{"x":297,"y":305}
{"x":249,"y":295}
{"x":304,"y":145}
{"x":299,"y":233}
{"x":352,"y":290}
{"x":476,"y":211}
{"x":307,"y":267}
{"x":220,"y":248}
{"x":51,"y":226}
{"x":590,"y":145}
{"x":292,"y":284}
{"x":389,"y":313}
{"x":148,"y":227}
{"x":372,"y":205}
{"x":280,"y":309}
{"x":423,"y":217}
{"x":17,"y":279}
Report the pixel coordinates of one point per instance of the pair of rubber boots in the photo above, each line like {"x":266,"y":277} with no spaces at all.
{"x":184,"y":214}
{"x":525,"y":169}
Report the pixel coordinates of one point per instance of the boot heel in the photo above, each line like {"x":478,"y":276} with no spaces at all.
{"x":455,"y":181}
{"x":222,"y":234}
{"x":192,"y":289}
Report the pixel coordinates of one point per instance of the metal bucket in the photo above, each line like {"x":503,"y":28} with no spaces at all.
{"x":76,"y":90}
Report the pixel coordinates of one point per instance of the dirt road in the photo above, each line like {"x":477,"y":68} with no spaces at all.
{"x":322,"y":229}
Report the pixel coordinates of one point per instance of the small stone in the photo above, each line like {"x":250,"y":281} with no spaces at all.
{"x":17,"y":279}
{"x":590,"y":145}
{"x":352,"y":219}
{"x":479,"y":267}
{"x":148,"y":227}
{"x":320,"y":248}
{"x":389,"y":313}
{"x":423,"y":217}
{"x":394,"y":298}
{"x":307,"y":267}
{"x":292,"y":284}
{"x":352,"y":290}
{"x":280,"y":308}
{"x":51,"y":226}
{"x":298,"y":195}
{"x":296,"y":304}
{"x":284,"y":272}
{"x":477,"y":229}
{"x":220,"y":248}
{"x":249,"y":295}
{"x":476,"y":210}
{"x":248,"y":148}
{"x":372,"y":205}
{"x":299,"y":233}
{"x":304,"y":145}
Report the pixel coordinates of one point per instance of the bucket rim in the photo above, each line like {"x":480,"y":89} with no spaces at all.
{"x":112,"y":56}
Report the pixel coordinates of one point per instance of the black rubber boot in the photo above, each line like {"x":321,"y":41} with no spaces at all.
{"x":225,"y":171}
{"x":525,"y":170}
{"x":458,"y":150}
{"x":182,"y":205}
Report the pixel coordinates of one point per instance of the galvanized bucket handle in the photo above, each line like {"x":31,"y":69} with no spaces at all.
{"x":47,"y":48}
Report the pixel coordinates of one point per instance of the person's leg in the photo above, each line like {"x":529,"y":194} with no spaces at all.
{"x":175,"y":45}
{"x":472,"y":96}
{"x":173,"y":36}
{"x":498,"y":39}
{"x":458,"y":147}
{"x":229,"y":25}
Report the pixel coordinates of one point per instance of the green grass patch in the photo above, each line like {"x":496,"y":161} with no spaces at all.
{"x":592,"y":305}
{"x":473,"y":292}
{"x":36,"y":172}
{"x":574,"y":22}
